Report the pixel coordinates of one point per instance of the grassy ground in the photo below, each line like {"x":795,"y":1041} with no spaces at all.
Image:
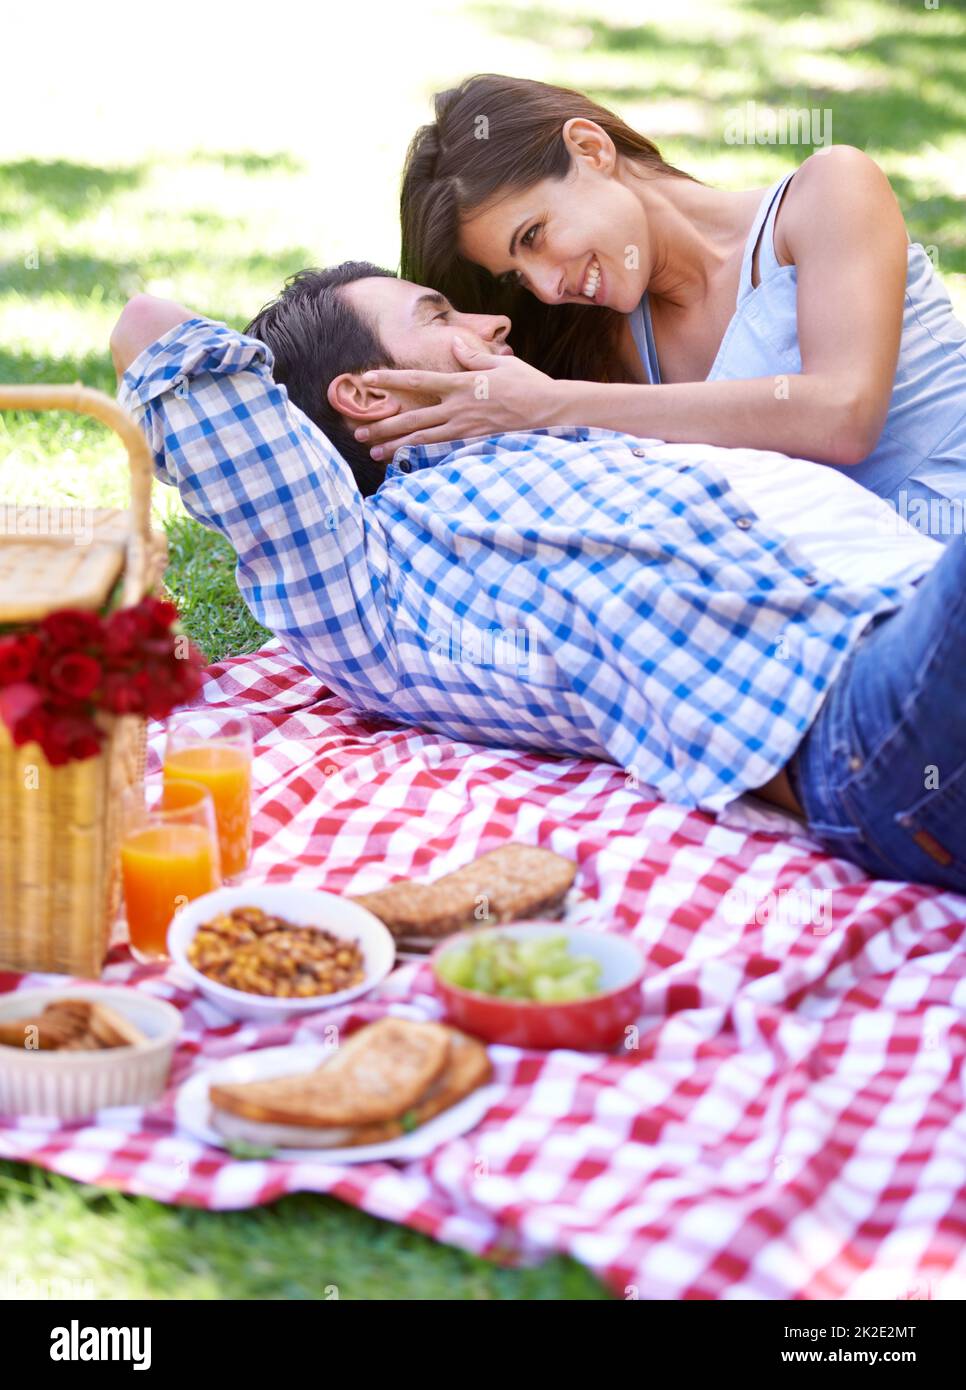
{"x":305,"y":1246}
{"x":209,"y":161}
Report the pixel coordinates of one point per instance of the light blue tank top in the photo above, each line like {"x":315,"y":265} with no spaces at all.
{"x":921,"y":454}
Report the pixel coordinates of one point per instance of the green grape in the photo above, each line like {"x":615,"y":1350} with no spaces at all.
{"x":535,"y":968}
{"x":456,"y":968}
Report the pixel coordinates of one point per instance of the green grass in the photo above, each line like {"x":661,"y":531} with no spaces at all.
{"x":200,"y":579}
{"x":113,"y":181}
{"x":304,"y":1246}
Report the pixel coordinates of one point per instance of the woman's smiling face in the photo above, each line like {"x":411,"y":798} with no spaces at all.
{"x":581,"y":239}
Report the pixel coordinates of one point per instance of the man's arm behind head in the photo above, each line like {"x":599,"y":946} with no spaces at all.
{"x":312,"y":563}
{"x":144,"y":319}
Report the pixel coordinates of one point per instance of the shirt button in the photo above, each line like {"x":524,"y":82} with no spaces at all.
{"x":405,"y":466}
{"x":855,"y":763}
{"x":639,"y":453}
{"x":744,"y":523}
{"x":810,"y":580}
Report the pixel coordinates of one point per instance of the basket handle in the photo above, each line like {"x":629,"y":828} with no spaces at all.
{"x":84,"y":400}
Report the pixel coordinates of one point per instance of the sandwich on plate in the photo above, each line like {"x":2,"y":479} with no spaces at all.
{"x":385,"y":1080}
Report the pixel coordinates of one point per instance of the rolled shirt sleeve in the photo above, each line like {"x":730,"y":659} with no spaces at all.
{"x":312,"y":558}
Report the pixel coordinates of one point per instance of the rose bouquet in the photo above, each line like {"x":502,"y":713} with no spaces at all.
{"x":62,"y":677}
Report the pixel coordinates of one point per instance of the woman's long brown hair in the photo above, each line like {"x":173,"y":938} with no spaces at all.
{"x":494,"y":136}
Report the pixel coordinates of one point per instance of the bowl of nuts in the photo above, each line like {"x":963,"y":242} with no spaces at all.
{"x":271,"y":952}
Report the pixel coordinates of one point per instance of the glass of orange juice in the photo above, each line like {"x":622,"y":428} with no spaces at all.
{"x":214,"y":747}
{"x":169,"y":855}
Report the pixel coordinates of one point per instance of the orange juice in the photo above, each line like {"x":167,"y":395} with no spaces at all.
{"x":163,"y":866}
{"x":226,"y":771}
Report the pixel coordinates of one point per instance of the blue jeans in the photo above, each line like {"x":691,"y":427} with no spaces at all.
{"x":881,"y":774}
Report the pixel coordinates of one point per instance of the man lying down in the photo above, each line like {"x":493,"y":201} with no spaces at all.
{"x":715,"y":621}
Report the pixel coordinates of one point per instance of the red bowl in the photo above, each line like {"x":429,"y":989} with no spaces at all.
{"x":594,"y":1024}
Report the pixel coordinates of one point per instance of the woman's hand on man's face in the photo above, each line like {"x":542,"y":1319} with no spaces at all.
{"x":496,"y":393}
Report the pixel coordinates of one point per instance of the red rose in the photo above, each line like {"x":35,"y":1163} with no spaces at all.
{"x":120,"y":695}
{"x":120,"y":661}
{"x":72,"y":628}
{"x":18,"y":657}
{"x":32,"y":728}
{"x":189,"y":680}
{"x":74,"y":674}
{"x":165,"y":694}
{"x":17,"y":703}
{"x":158,"y":615}
{"x":143,"y":682}
{"x":59,"y":702}
{"x":157,"y":650}
{"x":148,"y":621}
{"x":70,"y":738}
{"x":128,"y":664}
{"x":123,"y":633}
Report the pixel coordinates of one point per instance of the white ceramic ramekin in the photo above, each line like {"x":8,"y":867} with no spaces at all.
{"x":72,"y":1085}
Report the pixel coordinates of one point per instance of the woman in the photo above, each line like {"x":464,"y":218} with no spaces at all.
{"x":796,"y":318}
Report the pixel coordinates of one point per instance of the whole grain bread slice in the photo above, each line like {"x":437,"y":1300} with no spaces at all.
{"x":380,"y":1072}
{"x":506,"y":885}
{"x":468,"y":1068}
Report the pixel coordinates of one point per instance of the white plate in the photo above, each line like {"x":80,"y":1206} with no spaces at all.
{"x":192,"y":1108}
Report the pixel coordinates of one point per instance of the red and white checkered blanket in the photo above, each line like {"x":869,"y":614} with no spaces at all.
{"x":792,"y":1122}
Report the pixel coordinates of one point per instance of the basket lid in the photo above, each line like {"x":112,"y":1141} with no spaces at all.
{"x":45,"y":566}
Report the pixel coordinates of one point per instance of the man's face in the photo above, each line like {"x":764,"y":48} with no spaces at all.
{"x":417,"y":327}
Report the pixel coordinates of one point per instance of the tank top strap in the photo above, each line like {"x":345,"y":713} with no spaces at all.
{"x":643,"y":335}
{"x":763,"y":226}
{"x":642,"y":328}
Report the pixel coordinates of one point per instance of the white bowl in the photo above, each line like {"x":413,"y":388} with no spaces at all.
{"x":72,"y":1085}
{"x":307,"y":907}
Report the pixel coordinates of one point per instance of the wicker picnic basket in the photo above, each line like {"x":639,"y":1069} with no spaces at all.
{"x":59,"y":875}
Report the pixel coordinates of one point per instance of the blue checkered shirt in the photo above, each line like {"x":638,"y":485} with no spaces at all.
{"x":553,"y":589}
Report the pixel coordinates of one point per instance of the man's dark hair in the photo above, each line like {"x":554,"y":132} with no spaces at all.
{"x":315,"y":335}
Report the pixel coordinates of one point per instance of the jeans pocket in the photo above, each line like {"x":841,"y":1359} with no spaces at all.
{"x":936,"y":824}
